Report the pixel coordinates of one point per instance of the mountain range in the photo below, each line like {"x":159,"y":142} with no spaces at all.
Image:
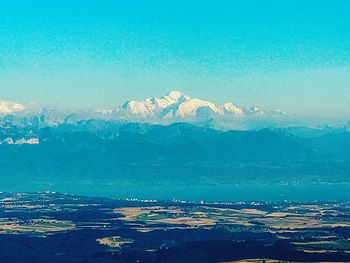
{"x":174,"y":107}
{"x":178,"y":107}
{"x":174,"y":147}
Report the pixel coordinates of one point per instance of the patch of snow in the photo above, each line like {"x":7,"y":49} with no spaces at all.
{"x":190,"y":107}
{"x":232,"y":109}
{"x":27,"y":141}
{"x":8,"y":107}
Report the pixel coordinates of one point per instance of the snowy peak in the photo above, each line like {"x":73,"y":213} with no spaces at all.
{"x":8,"y":107}
{"x":137,"y":107}
{"x":176,"y":106}
{"x":175,"y":95}
{"x":152,"y":106}
{"x":229,"y":108}
{"x":191,"y":107}
{"x":173,"y":105}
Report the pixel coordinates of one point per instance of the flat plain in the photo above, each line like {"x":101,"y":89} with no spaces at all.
{"x":53,"y":227}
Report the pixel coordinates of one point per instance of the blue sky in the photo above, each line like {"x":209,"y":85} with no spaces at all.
{"x":291,"y":55}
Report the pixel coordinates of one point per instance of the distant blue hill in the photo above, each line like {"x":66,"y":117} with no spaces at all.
{"x":182,"y":161}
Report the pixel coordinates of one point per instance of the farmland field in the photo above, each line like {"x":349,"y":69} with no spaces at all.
{"x":66,"y":228}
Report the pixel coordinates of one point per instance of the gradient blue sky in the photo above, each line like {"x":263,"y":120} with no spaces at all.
{"x":292,"y":55}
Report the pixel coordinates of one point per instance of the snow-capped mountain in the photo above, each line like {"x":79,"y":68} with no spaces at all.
{"x":179,"y":107}
{"x":9,"y":107}
{"x":176,"y":106}
{"x":152,"y":106}
{"x":229,"y":108}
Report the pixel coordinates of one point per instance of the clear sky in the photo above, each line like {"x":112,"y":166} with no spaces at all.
{"x":292,"y":55}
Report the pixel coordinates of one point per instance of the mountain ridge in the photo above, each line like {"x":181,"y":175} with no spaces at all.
{"x":178,"y":105}
{"x":173,"y":107}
